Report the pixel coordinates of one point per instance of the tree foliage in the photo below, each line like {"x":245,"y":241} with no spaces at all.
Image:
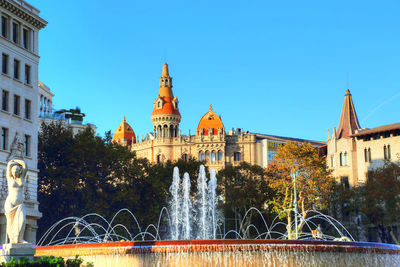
{"x":313,"y":184}
{"x":88,"y":174}
{"x":382,"y":200}
{"x":244,"y":186}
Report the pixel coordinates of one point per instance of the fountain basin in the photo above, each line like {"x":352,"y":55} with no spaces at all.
{"x":230,"y":253}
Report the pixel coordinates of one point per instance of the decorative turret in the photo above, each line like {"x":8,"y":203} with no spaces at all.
{"x":165,"y":115}
{"x":348,"y":123}
{"x":210,"y":123}
{"x":124,"y":135}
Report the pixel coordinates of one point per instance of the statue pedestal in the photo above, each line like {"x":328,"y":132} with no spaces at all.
{"x":17,"y":251}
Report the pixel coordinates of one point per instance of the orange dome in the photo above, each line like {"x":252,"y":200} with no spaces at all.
{"x":124,"y":134}
{"x":210,"y":120}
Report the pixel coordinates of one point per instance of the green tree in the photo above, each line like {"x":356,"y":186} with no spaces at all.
{"x":244,"y":187}
{"x":382,"y":200}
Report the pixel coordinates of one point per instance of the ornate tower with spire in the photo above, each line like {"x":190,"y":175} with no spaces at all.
{"x":166,"y":116}
{"x":341,"y":146}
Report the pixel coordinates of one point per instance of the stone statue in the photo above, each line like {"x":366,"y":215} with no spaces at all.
{"x":16,"y":174}
{"x":14,"y":205}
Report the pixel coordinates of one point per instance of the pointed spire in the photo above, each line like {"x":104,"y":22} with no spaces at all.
{"x":210,"y":106}
{"x":165,"y":72}
{"x":329,"y":136}
{"x":124,"y":120}
{"x":348,"y":123}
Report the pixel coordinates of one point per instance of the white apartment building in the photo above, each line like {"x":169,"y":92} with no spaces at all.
{"x":19,"y":31}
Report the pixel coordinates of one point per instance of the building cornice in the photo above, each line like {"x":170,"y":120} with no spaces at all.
{"x":24,"y":11}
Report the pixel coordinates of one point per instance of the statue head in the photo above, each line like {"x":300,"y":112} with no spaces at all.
{"x":17,"y":148}
{"x":16,"y":170}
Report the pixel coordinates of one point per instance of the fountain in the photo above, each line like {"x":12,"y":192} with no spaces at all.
{"x":106,"y":243}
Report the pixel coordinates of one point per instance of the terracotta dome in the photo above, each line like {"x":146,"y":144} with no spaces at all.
{"x":124,"y":134}
{"x":210,"y":120}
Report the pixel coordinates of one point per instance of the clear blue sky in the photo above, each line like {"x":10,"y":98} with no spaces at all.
{"x":273,"y":67}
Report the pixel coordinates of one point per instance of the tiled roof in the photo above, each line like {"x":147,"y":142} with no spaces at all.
{"x":383,"y":128}
{"x":348,"y":123}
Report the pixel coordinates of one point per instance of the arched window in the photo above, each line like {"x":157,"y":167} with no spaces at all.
{"x":201,"y":156}
{"x":213,"y":156}
{"x":165,"y":131}
{"x":159,"y":159}
{"x":219,"y":156}
{"x":185,"y":157}
{"x":388,"y":152}
{"x":159,"y":131}
{"x":207,"y":156}
{"x":345,"y":159}
{"x":384,"y":152}
{"x":369,"y":155}
{"x":341,"y":159}
{"x":365,"y":155}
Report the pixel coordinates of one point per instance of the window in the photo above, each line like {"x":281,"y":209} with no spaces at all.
{"x":5,"y":64}
{"x":213,"y":156}
{"x":16,"y":69}
{"x":386,"y":152}
{"x":369,"y":154}
{"x":331,"y":161}
{"x":15,"y":30}
{"x":185,"y":157}
{"x":25,"y":38}
{"x":27,"y":109}
{"x":365,"y":155}
{"x":158,"y":158}
{"x":219,"y":156}
{"x":341,"y":159}
{"x":345,"y":159}
{"x":4,"y":24}
{"x":201,"y":156}
{"x":4,"y":138}
{"x":16,"y":104}
{"x":207,"y":155}
{"x":4,"y":100}
{"x":27,"y":144}
{"x":236,"y":156}
{"x":345,"y":182}
{"x":27,"y":74}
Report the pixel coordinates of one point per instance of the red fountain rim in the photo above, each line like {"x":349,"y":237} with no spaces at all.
{"x":170,"y":246}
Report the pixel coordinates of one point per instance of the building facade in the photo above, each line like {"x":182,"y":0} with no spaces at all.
{"x":352,"y":150}
{"x":210,"y":142}
{"x":20,"y":25}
